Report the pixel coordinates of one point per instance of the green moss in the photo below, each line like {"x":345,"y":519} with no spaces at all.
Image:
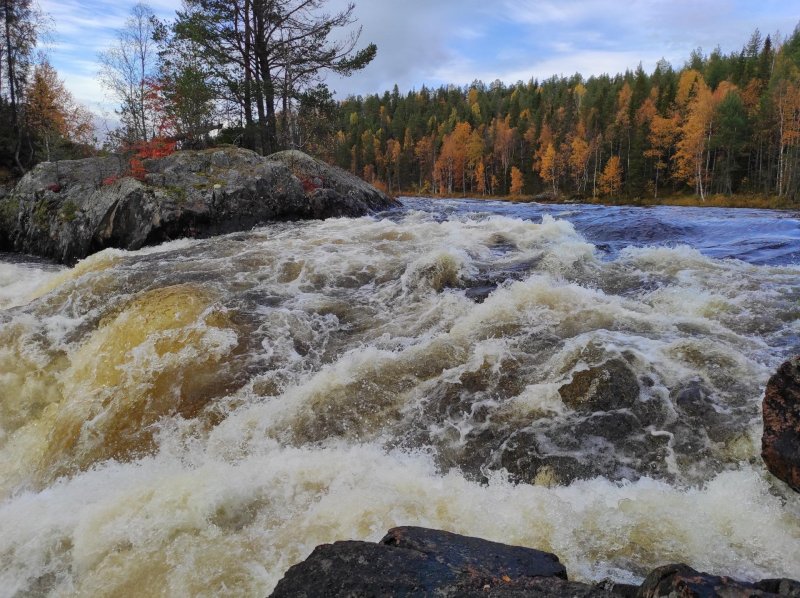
{"x":41,"y":213}
{"x":177,"y":193}
{"x":209,"y":185}
{"x":69,"y":211}
{"x":9,"y":208}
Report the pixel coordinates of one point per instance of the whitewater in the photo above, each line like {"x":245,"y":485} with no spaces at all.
{"x":194,"y":418}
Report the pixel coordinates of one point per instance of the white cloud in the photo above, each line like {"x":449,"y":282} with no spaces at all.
{"x":449,"y":41}
{"x":83,"y":29}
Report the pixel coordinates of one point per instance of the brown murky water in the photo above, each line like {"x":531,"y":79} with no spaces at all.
{"x":192,"y":419}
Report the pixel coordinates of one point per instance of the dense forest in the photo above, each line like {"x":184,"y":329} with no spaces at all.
{"x":39,"y":118}
{"x":251,"y":72}
{"x":723,"y":123}
{"x":221,"y":71}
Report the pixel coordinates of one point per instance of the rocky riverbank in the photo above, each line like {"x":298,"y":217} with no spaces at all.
{"x":70,"y":209}
{"x":780,"y":444}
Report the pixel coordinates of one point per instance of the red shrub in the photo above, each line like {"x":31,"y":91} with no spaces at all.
{"x":137,"y":169}
{"x":158,"y":147}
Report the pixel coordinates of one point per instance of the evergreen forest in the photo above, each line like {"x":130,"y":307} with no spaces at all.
{"x":720,"y":124}
{"x":253,"y":72}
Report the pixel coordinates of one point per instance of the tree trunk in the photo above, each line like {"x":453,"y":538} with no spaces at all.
{"x":12,"y":87}
{"x":262,"y":117}
{"x":655,"y":195}
{"x":249,"y":141}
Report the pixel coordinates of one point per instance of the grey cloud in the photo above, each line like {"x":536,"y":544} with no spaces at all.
{"x":414,"y":41}
{"x":421,"y":41}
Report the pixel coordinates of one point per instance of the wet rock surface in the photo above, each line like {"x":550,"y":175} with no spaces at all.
{"x":780,"y":443}
{"x":411,"y":561}
{"x":67,"y":210}
{"x":414,"y":561}
{"x":611,"y":385}
{"x":612,"y":415}
{"x":683,"y":581}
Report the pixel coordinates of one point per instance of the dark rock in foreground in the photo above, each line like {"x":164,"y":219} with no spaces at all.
{"x":413,"y":561}
{"x":680,"y":581}
{"x":780,"y":443}
{"x":70,"y":209}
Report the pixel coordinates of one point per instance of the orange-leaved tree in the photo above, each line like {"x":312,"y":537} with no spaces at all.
{"x":550,"y":167}
{"x":517,"y":181}
{"x":579,"y":153}
{"x":662,"y":137}
{"x":51,"y":112}
{"x":786,"y":98}
{"x":611,"y":178}
{"x":505,"y":141}
{"x":695,"y":133}
{"x":480,"y":178}
{"x":453,"y":160}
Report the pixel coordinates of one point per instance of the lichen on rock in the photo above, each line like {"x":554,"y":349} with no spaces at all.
{"x":70,"y":209}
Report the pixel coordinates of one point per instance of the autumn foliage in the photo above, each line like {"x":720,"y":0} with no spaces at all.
{"x":517,"y":181}
{"x":52,"y":114}
{"x":720,"y":124}
{"x":158,"y":147}
{"x":611,"y":178}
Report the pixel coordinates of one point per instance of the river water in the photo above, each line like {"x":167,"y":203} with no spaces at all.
{"x":192,"y":419}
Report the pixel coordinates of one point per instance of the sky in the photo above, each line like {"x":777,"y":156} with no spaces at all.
{"x":434,"y":42}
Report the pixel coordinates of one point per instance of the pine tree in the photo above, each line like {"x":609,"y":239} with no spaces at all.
{"x":266,"y":52}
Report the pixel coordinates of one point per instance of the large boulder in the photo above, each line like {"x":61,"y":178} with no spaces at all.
{"x":70,"y":209}
{"x":780,"y":443}
{"x":323,"y":181}
{"x":413,"y":561}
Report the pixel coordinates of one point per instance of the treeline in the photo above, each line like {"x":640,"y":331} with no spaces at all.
{"x":239,"y":66}
{"x":39,"y":118}
{"x":721,"y":124}
{"x":247,"y":70}
{"x":251,"y":72}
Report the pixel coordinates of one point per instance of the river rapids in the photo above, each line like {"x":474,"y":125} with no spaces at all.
{"x":194,"y":418}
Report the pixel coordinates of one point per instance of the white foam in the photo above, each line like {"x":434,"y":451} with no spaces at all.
{"x":352,"y":327}
{"x":19,"y":281}
{"x":276,"y":503}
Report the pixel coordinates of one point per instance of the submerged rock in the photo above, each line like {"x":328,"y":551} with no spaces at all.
{"x":611,"y":385}
{"x":70,"y":209}
{"x":780,"y":443}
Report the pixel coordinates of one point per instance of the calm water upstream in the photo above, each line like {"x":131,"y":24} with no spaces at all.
{"x":192,"y":419}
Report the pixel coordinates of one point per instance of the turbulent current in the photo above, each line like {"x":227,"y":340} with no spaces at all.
{"x":192,"y":419}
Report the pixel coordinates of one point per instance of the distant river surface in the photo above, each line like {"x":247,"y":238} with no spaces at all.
{"x":192,"y":419}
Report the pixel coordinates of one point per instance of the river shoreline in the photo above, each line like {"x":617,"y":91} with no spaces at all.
{"x":684,"y":201}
